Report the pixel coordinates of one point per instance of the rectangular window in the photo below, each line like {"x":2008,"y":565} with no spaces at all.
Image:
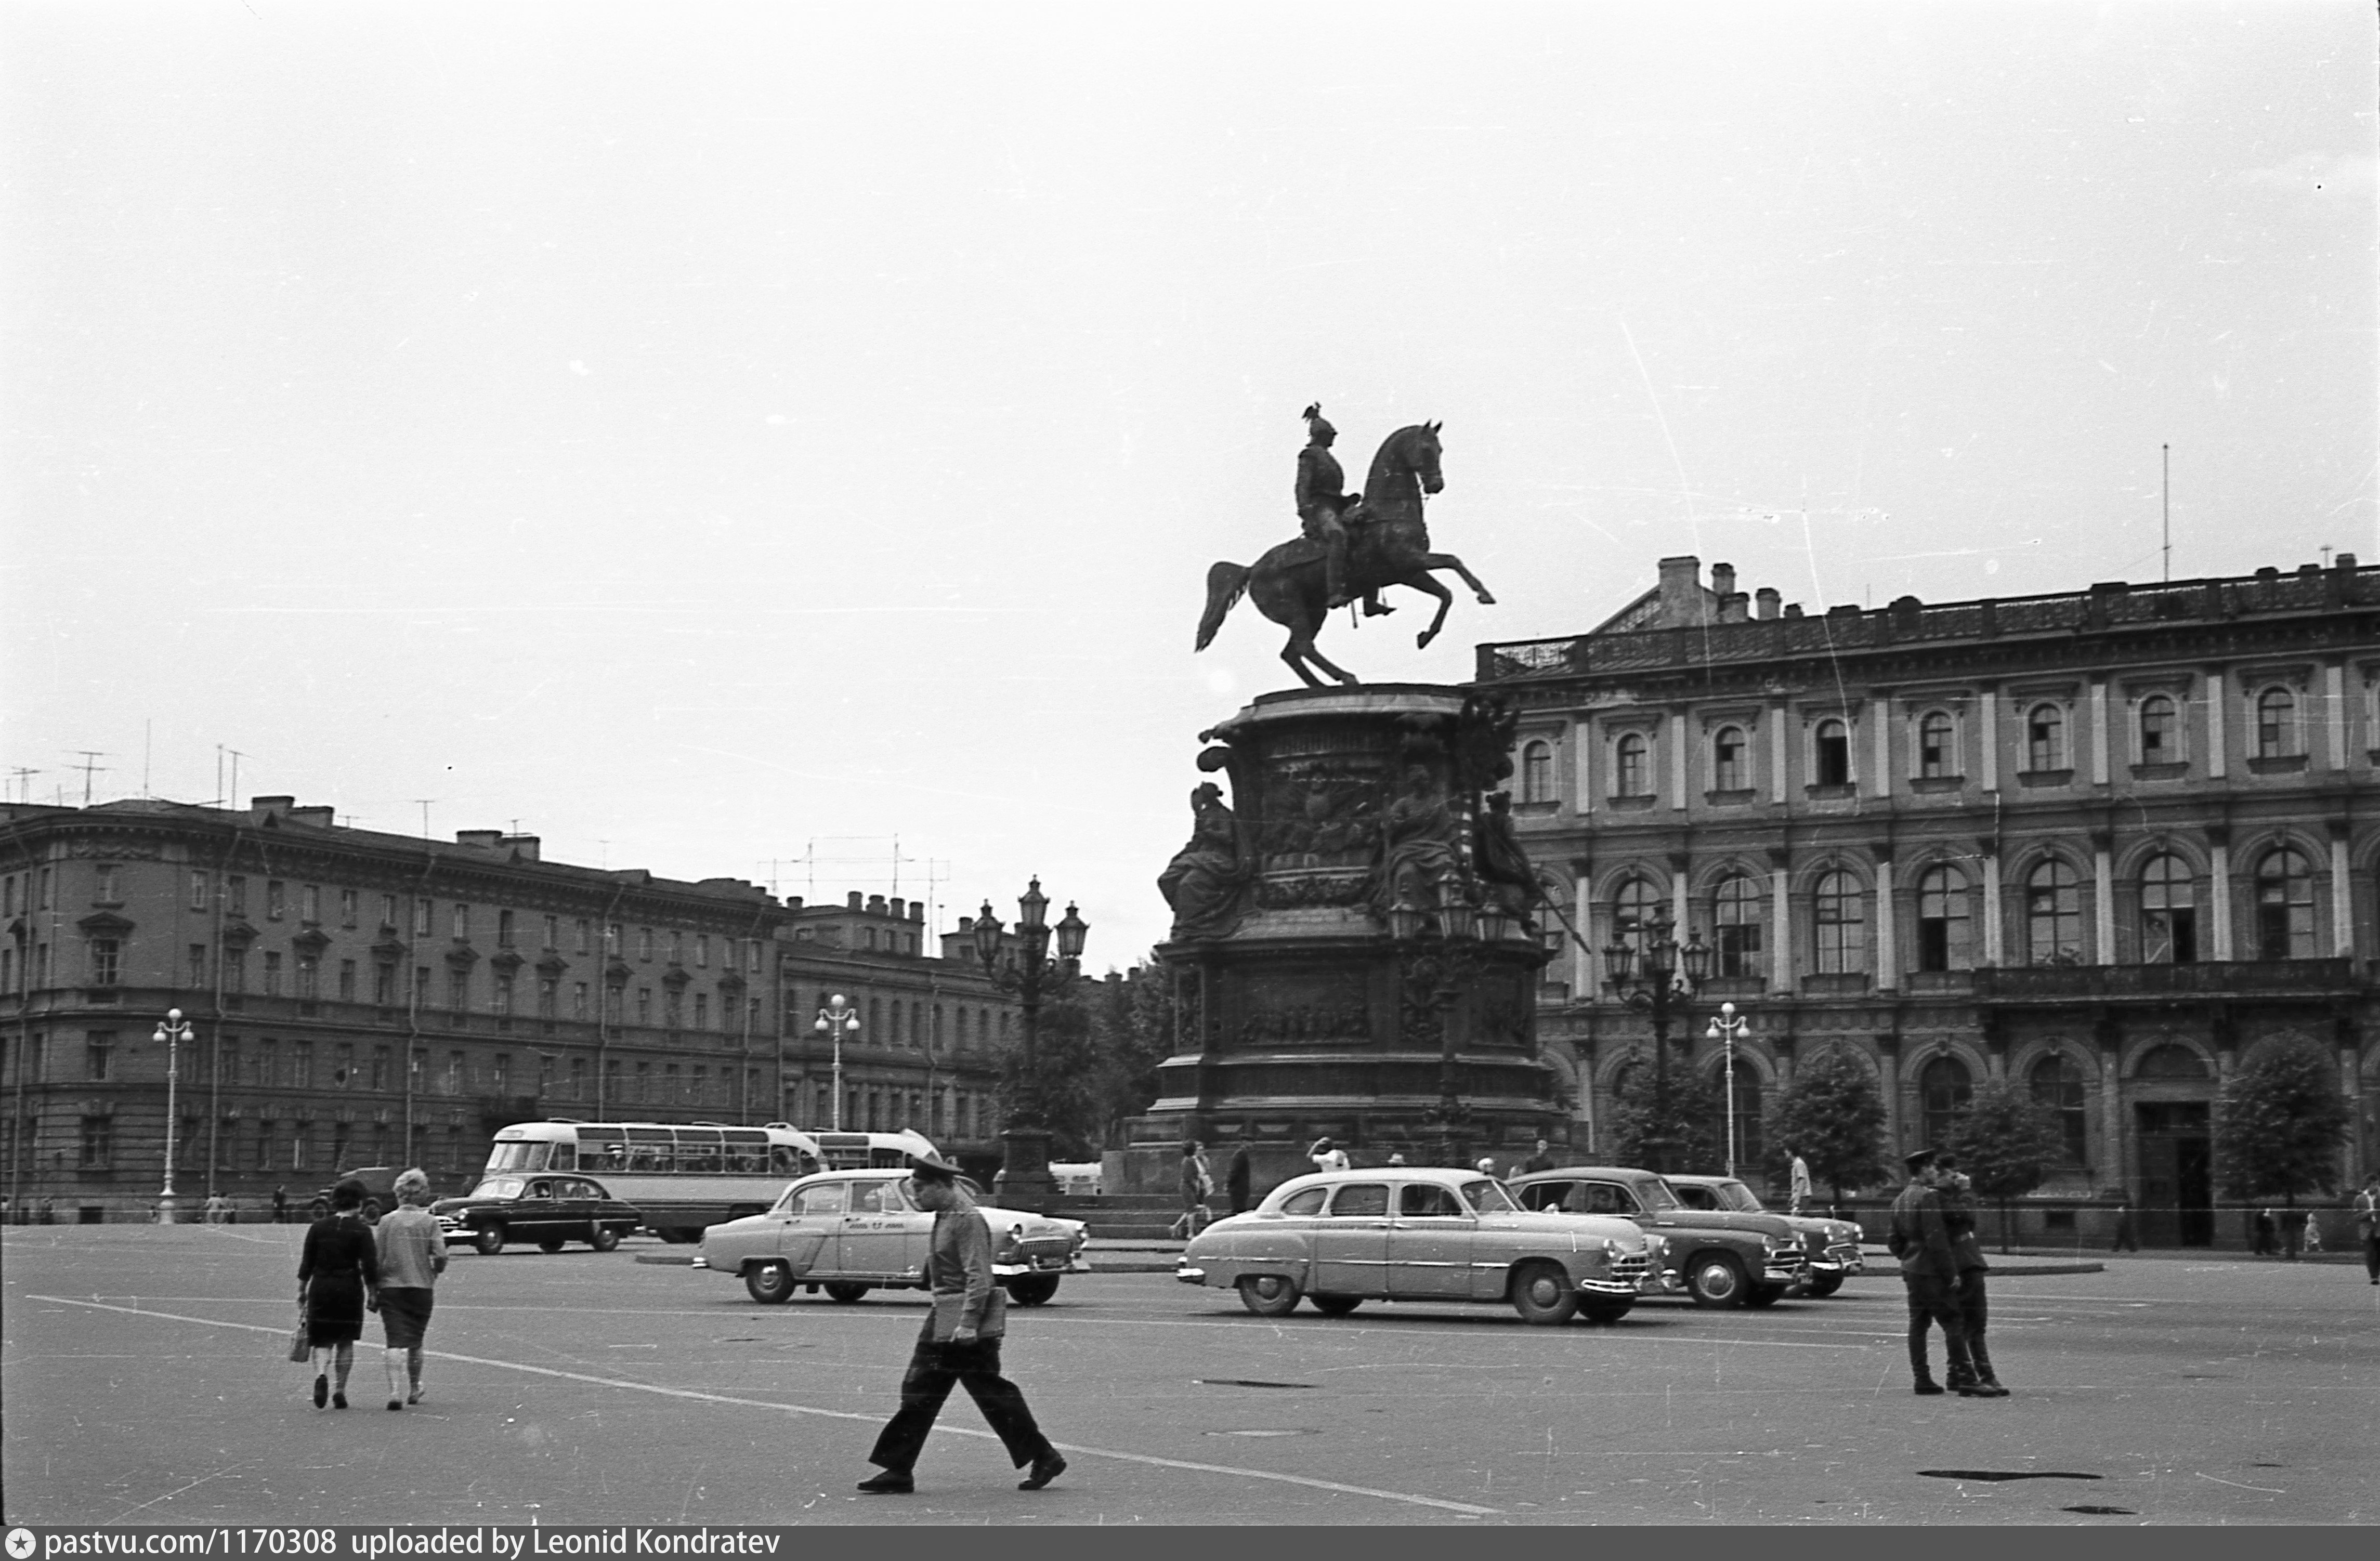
{"x":421,"y":914}
{"x":672,"y":1083}
{"x":553,"y":931}
{"x":420,"y":987}
{"x":198,"y":891}
{"x":235,"y":971}
{"x":462,"y":922}
{"x":702,"y":1011}
{"x":577,"y":1078}
{"x":578,"y":999}
{"x":702,"y":951}
{"x":236,"y":890}
{"x":644,"y":1005}
{"x":544,"y":1074}
{"x":676,"y":948}
{"x":346,"y":907}
{"x":644,"y":943}
{"x":454,"y":1084}
{"x":548,"y":990}
{"x":198,"y":970}
{"x":500,"y":1074}
{"x":504,"y":930}
{"x":343,"y":1066}
{"x":268,"y":1065}
{"x":103,"y":883}
{"x":301,"y":1064}
{"x":273,"y":899}
{"x":98,"y":1142}
{"x":384,"y":984}
{"x":98,"y":1052}
{"x":346,"y":981}
{"x":310,"y":903}
{"x":458,"y":991}
{"x":388,"y":911}
{"x":644,"y":1082}
{"x":670,"y":1007}
{"x":584,"y":929}
{"x":106,"y":961}
{"x":310,"y":977}
{"x":379,"y":1068}
{"x":272,"y":972}
{"x":502,"y":996}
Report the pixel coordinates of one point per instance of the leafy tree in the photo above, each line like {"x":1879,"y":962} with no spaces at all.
{"x":1685,"y":1137}
{"x":1833,"y":1116}
{"x":1096,"y":1050}
{"x":2277,"y":1127}
{"x":2005,"y":1142}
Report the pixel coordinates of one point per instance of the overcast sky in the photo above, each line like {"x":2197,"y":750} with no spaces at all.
{"x":706,"y":434}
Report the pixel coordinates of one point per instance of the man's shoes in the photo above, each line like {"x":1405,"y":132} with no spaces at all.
{"x":321,"y":1391}
{"x":1045,"y":1469}
{"x":1928,"y":1387}
{"x":1986,"y":1388}
{"x":891,"y":1482}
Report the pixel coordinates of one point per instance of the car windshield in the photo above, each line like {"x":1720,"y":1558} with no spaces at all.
{"x":1737,"y":1196}
{"x":498,"y":1186}
{"x":1656,"y":1194}
{"x":1489,"y":1197}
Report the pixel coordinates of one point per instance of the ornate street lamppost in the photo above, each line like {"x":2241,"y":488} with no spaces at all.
{"x":1442,"y":960}
{"x":171,"y":1031}
{"x":1655,"y":976}
{"x":1729,"y":1028}
{"x":1026,"y":970}
{"x":835,"y":1021}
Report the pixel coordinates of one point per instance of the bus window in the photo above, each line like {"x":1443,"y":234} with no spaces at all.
{"x":512,"y":1155}
{"x":565,"y":1157}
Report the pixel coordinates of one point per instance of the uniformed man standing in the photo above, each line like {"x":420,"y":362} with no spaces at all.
{"x":1929,"y":1268}
{"x":1974,"y":1306}
{"x":959,"y":1344}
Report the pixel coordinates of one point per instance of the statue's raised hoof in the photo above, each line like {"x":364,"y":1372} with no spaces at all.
{"x":1421,"y":640}
{"x":1486,"y":599}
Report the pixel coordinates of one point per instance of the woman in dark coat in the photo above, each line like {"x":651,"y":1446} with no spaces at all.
{"x":339,"y":1271}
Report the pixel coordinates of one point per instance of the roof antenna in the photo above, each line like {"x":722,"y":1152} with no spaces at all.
{"x":2164,"y":461}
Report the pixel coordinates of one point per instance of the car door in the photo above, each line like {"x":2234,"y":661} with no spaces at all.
{"x":1351,"y":1241}
{"x":1430,"y":1239}
{"x":875,"y":1229}
{"x":809,"y":1223}
{"x":537,"y":1213}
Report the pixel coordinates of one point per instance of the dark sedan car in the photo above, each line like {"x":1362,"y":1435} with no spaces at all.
{"x":548,"y":1210}
{"x":1720,"y":1259}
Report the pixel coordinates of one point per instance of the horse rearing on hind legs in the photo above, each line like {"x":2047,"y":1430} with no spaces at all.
{"x":1287,"y":584}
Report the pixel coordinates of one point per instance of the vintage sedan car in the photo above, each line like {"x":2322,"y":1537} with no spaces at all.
{"x":546,"y":1209}
{"x":1718,"y":1259}
{"x":851,"y":1232}
{"x":1342,"y":1237}
{"x":1832,"y":1246}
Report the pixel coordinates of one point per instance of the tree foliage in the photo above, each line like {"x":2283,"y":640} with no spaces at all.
{"x":2005,"y":1142}
{"x":1833,"y":1116}
{"x":1685,"y":1137}
{"x":2278,"y":1125}
{"x":1095,"y":1052}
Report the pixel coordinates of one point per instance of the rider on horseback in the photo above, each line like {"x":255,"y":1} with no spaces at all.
{"x":1325,"y":512}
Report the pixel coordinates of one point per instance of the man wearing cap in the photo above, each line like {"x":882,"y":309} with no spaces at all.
{"x":959,"y":1344}
{"x":1929,"y":1268}
{"x":1957,"y":1194}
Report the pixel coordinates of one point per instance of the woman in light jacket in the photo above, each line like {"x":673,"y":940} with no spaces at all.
{"x":412,"y":1255}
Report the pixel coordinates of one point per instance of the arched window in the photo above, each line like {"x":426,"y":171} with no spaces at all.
{"x":1631,"y":775}
{"x":1727,"y":760}
{"x":2277,"y":723}
{"x":2057,"y":1089}
{"x":1935,"y":756}
{"x":1942,"y":920}
{"x":2157,"y":743}
{"x":1735,"y":911}
{"x":1946,"y":1087}
{"x":2045,"y":738}
{"x":1538,"y":772}
{"x":1841,"y":925}
{"x":2284,"y":907}
{"x":1832,"y":754}
{"x":2168,"y":913}
{"x":1636,"y":905}
{"x":2053,"y":916}
{"x":2171,"y":1062}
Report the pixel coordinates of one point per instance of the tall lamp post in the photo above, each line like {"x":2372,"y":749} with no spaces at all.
{"x":173,"y":1030}
{"x":835,"y":1021}
{"x":1026,"y":970}
{"x":1654,"y":976}
{"x":1440,"y":960}
{"x":1730,"y":1029}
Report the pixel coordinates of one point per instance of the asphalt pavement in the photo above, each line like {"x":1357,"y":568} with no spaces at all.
{"x":145,"y":1383}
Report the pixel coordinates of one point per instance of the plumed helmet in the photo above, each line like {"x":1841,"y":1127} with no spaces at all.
{"x":1315,"y":422}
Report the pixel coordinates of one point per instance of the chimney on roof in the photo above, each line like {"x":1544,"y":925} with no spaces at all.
{"x":2344,"y":563}
{"x":793,"y":901}
{"x":312,"y":817}
{"x":851,"y":902}
{"x":900,"y":909}
{"x":1767,"y":598}
{"x":526,"y":847}
{"x":486,"y":839}
{"x":1723,"y":579}
{"x":263,"y":808}
{"x":875,"y":904}
{"x":1682,"y":592}
{"x":917,"y":910}
{"x":1735,"y":607}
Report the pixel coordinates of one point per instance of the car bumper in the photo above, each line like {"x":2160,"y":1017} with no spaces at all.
{"x":1188,"y":1274}
{"x":1074,"y":1264}
{"x":1839,"y":1261}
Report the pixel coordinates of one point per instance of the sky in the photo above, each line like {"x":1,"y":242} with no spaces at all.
{"x":789,"y":443}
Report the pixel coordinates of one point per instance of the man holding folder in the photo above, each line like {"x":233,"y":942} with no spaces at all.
{"x":959,"y":1345}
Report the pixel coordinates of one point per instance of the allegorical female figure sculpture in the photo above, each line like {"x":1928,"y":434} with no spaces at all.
{"x":1204,"y":880}
{"x":1416,"y":845}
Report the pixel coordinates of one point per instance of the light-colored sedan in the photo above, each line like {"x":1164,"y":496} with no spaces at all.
{"x":850,"y":1231}
{"x":1342,"y":1237}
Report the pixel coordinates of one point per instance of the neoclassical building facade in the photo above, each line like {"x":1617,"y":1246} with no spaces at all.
{"x":2110,"y":843}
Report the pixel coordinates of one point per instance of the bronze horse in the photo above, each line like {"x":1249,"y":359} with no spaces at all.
{"x":1287,"y":584}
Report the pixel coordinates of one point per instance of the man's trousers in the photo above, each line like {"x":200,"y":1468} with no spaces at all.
{"x":1932,"y":1298}
{"x":934,"y":1370}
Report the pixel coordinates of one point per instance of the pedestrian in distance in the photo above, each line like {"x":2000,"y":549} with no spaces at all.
{"x":1194,"y":1185}
{"x":1237,"y":1177}
{"x":1798,"y":1192}
{"x":412,"y":1255}
{"x":1957,"y":1194}
{"x":2367,"y":1225}
{"x":338,"y":1272}
{"x":49,"y":1213}
{"x":2268,"y":1232}
{"x":1327,"y":1157}
{"x":958,"y":1345}
{"x":1543,"y":1160}
{"x":1486,"y":1166}
{"x":1929,"y":1269}
{"x":2128,"y":1237}
{"x":281,"y":1205}
{"x":2313,"y":1232}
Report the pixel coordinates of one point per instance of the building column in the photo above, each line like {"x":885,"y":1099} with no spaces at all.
{"x":2218,"y":752}
{"x":2103,"y":883}
{"x":1995,"y":953}
{"x":1887,"y":945}
{"x":1677,"y":876}
{"x":2334,"y":677}
{"x":2342,"y":902}
{"x":2113,"y":1171}
{"x":1582,"y":917}
{"x":1780,"y":928}
{"x":1887,"y":1079}
{"x":1879,"y":715}
{"x":1776,"y":753}
{"x":1583,"y":768}
{"x":2100,"y":734}
{"x":2218,"y":888}
{"x":1987,"y":739}
{"x":1677,"y":757}
{"x":2350,"y":1084}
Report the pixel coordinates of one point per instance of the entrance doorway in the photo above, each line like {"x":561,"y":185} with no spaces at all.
{"x":2177,"y":1174}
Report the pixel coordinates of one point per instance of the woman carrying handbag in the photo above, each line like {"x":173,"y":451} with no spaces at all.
{"x":338,"y":1272}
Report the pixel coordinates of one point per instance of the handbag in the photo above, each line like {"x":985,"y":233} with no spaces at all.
{"x":299,"y":1349}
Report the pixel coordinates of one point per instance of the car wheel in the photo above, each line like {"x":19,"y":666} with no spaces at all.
{"x":1031,"y":1289}
{"x":1826,"y":1284}
{"x":604,"y":1238}
{"x":1605,"y":1313}
{"x":1763,"y":1295}
{"x":1715,"y":1279}
{"x":1542,"y":1294}
{"x":372,"y":1211}
{"x":1268,"y":1295}
{"x":845,"y":1292}
{"x":491,"y":1240}
{"x":771,"y":1283}
{"x":320,"y":1209}
{"x":549,"y":1243}
{"x":1335,"y":1305}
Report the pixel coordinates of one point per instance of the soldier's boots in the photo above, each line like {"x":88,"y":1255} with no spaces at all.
{"x":1986,"y":1384}
{"x":1927,"y":1386}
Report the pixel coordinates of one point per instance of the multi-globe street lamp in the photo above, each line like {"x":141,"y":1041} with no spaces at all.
{"x":1729,"y":1028}
{"x":1026,"y":970}
{"x":835,"y":1021}
{"x":171,"y":1032}
{"x":1440,"y":960}
{"x":1654,"y":976}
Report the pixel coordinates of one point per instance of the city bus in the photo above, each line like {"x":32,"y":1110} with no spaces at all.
{"x":685,"y":1176}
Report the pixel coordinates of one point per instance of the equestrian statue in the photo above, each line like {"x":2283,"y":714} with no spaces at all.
{"x":1352,"y":546}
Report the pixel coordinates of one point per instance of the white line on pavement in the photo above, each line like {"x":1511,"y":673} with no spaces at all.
{"x":1146,"y":1459}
